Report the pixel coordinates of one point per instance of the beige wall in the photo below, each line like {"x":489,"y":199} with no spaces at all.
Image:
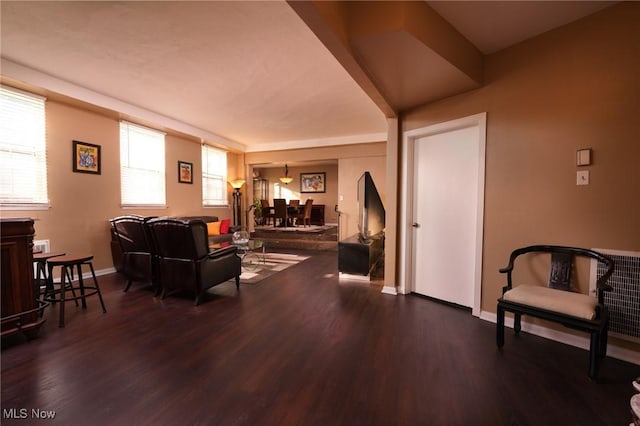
{"x":82,"y":204}
{"x":571,"y":88}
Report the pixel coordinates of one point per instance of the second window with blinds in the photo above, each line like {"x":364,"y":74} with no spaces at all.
{"x":142,"y":166}
{"x":214,"y":177}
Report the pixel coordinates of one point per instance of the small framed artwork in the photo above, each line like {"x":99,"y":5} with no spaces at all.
{"x":86,"y":158}
{"x":185,"y":172}
{"x":313,"y":182}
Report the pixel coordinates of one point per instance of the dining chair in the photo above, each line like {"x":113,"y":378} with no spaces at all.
{"x":305,"y":214}
{"x":267,"y":215}
{"x":280,"y":211}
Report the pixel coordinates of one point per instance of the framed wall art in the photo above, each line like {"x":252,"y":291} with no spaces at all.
{"x":313,"y":182}
{"x":185,"y":172}
{"x":86,"y":158}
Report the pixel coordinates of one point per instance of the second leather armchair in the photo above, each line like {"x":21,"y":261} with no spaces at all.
{"x":184,"y":260}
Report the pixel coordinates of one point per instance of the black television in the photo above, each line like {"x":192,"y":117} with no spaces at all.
{"x":371,"y":213}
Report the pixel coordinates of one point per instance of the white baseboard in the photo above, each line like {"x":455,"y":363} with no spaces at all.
{"x":388,"y":289}
{"x":581,"y":342}
{"x":354,"y":277}
{"x":99,"y":272}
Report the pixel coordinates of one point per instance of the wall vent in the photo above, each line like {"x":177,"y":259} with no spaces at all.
{"x":624,"y":300}
{"x":41,"y":246}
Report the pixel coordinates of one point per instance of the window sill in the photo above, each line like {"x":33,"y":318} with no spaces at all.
{"x":143,"y":206}
{"x":24,"y":207}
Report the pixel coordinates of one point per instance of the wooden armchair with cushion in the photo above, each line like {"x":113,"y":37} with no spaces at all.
{"x":184,"y":259}
{"x":557,"y":302}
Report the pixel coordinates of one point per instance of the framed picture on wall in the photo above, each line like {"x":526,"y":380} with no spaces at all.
{"x":185,"y":172}
{"x":86,"y":158}
{"x":313,"y":182}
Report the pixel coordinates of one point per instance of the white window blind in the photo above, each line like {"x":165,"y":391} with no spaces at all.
{"x":214,"y":176}
{"x":142,"y":166}
{"x":23,"y":150}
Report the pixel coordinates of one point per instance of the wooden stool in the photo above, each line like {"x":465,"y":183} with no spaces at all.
{"x":67,"y":262}
{"x":42,"y":272}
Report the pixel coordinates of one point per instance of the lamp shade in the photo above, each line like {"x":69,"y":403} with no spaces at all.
{"x":236,"y":184}
{"x":286,"y":179}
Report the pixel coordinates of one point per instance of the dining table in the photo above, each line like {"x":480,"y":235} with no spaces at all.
{"x":292,"y":213}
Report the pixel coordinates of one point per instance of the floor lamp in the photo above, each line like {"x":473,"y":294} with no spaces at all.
{"x":237,"y":201}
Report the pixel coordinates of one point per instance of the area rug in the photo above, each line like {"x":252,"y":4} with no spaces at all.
{"x":267,"y":265}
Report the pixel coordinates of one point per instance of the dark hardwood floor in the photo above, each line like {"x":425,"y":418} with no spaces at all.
{"x":300,"y":348}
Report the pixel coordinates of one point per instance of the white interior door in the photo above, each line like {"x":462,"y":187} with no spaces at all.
{"x":446,"y":203}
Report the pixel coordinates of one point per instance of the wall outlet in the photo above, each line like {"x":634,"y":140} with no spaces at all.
{"x":582,"y":177}
{"x":41,"y":246}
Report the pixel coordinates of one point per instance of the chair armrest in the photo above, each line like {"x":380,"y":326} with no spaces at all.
{"x":223,"y":251}
{"x":507,"y":270}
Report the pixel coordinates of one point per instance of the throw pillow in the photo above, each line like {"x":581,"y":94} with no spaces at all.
{"x":224,"y":226}
{"x":213,"y":228}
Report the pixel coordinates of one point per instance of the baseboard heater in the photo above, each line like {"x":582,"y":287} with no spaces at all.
{"x":624,"y":300}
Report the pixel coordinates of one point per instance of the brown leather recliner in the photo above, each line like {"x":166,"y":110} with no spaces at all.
{"x":134,"y":240}
{"x":184,"y":260}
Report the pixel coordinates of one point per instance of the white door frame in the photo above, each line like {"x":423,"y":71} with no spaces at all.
{"x":406,"y":208}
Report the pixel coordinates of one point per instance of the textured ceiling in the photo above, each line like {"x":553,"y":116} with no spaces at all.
{"x":252,"y":74}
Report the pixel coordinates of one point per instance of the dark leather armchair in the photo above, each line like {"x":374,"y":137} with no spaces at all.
{"x":133,"y":237}
{"x":184,"y":260}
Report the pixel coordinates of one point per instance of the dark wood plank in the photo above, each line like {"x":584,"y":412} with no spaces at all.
{"x":300,"y":348}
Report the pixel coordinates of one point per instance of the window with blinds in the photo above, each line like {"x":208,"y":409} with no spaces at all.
{"x":214,"y":177}
{"x":23,"y":150}
{"x":142,"y":166}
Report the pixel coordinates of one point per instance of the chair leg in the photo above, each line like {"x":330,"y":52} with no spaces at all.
{"x":49,"y":283}
{"x":593,"y":354}
{"x":517,"y":326}
{"x":81,"y":284}
{"x":65,"y":270}
{"x":604,"y":336}
{"x":95,"y":281}
{"x":237,"y":282}
{"x":500,"y":327}
{"x":63,"y":288}
{"x":126,"y":289}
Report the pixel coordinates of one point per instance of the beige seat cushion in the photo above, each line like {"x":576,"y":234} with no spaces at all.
{"x":574,"y":304}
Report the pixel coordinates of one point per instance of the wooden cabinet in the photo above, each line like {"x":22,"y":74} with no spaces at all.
{"x":358,"y":257}
{"x":317,"y":214}
{"x":19,"y":310}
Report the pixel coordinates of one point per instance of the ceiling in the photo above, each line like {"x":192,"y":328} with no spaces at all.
{"x":266,"y":75}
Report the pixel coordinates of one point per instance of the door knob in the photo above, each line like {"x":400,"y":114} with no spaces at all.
{"x":415,"y":225}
